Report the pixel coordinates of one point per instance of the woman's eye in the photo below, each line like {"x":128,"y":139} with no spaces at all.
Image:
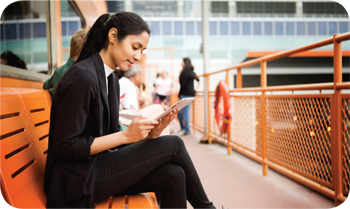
{"x":134,"y":48}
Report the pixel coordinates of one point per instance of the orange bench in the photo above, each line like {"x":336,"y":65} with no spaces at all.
{"x":25,"y":119}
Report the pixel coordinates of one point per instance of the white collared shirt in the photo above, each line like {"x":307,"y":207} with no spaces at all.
{"x":108,"y":71}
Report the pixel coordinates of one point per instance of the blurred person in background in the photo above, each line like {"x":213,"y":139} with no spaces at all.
{"x":76,"y":44}
{"x":186,"y":78}
{"x":163,"y":88}
{"x":11,"y":59}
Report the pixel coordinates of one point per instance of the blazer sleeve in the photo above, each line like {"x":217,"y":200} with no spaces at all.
{"x":76,"y":93}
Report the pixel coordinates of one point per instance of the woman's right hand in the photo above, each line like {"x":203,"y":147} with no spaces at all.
{"x":139,"y":129}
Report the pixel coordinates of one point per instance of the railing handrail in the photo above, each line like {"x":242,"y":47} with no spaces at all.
{"x":278,"y":55}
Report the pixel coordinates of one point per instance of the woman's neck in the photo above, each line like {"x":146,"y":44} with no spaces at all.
{"x":107,"y":59}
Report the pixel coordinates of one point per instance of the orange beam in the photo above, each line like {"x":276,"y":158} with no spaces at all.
{"x":300,"y":54}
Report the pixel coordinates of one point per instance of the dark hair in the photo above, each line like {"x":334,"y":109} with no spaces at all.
{"x":188,"y":65}
{"x":13,"y":60}
{"x":126,"y":23}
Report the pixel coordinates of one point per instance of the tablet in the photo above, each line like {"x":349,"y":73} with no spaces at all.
{"x":179,"y":105}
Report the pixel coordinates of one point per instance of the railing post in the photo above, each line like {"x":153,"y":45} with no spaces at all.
{"x":239,"y":78}
{"x":336,"y":144}
{"x":229,"y":149}
{"x":263,"y":81}
{"x":193,"y":115}
{"x":208,"y":113}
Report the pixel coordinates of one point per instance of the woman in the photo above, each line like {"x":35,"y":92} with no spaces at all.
{"x":186,"y":90}
{"x":163,"y":88}
{"x":89,"y":158}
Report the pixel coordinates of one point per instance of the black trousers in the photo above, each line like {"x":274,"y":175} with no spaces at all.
{"x":159,"y":165}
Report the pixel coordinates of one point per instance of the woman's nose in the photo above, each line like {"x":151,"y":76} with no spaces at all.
{"x":137,"y":56}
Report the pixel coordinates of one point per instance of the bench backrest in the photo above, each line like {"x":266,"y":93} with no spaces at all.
{"x":25,"y":115}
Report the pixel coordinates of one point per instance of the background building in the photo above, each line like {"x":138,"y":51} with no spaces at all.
{"x":239,"y":30}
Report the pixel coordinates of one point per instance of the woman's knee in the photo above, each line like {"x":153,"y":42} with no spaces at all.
{"x":175,"y":177}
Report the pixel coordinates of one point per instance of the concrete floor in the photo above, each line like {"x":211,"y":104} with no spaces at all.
{"x":236,"y":181}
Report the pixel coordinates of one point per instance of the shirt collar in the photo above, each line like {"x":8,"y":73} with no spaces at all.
{"x":108,"y":70}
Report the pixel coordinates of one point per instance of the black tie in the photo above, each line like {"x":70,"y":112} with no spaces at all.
{"x":113,"y":101}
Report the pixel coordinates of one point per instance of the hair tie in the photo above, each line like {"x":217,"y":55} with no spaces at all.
{"x":110,"y":15}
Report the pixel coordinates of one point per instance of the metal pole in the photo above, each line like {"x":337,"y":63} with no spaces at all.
{"x":205,"y":42}
{"x":336,"y":124}
{"x":263,"y":117}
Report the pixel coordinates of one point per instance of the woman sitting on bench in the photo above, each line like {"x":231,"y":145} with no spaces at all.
{"x":89,"y":159}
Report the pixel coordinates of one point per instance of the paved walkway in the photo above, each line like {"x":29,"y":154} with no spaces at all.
{"x":236,"y":181}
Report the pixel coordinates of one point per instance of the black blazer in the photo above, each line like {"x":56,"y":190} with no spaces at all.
{"x":81,"y":111}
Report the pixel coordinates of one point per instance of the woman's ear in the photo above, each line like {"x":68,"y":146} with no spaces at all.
{"x":112,"y":35}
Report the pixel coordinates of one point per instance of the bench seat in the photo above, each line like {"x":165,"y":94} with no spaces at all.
{"x":24,"y":125}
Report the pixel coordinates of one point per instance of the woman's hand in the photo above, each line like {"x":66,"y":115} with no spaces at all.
{"x":157,"y":130}
{"x":139,"y":129}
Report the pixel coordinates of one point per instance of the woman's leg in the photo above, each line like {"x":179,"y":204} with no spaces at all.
{"x":118,"y":171}
{"x":185,"y":116}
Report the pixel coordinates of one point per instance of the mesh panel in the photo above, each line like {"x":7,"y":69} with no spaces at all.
{"x":298,"y":136}
{"x":246,"y":125}
{"x":199,"y":112}
{"x":346,"y":144}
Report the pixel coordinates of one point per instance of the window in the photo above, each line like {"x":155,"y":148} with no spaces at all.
{"x":251,"y":7}
{"x":166,"y":28}
{"x":332,"y":28}
{"x":322,"y":28}
{"x":279,"y":28}
{"x":190,"y":28}
{"x":10,"y":31}
{"x":234,"y":28}
{"x":219,"y":7}
{"x":115,"y":6}
{"x":311,"y":28}
{"x":290,"y":28}
{"x":246,"y":28}
{"x":199,"y":28}
{"x":257,"y":28}
{"x":212,"y":28}
{"x":178,"y":28}
{"x":321,"y":8}
{"x":39,"y":30}
{"x":25,"y":30}
{"x":155,"y":8}
{"x":155,"y":28}
{"x":300,"y":28}
{"x":72,"y":28}
{"x":343,"y":27}
{"x":64,"y":28}
{"x":223,"y":28}
{"x":268,"y":28}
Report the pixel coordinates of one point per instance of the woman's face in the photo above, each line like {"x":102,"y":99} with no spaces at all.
{"x":126,"y":52}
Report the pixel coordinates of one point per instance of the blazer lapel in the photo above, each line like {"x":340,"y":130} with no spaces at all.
{"x":102,"y":80}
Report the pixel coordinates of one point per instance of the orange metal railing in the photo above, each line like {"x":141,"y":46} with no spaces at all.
{"x":304,"y":136}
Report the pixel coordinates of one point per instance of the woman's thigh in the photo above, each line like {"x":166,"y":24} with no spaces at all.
{"x":120,"y":169}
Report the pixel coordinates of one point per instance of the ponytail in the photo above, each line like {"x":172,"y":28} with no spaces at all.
{"x":126,"y":23}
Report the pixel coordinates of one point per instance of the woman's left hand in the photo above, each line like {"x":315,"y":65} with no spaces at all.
{"x":157,"y":130}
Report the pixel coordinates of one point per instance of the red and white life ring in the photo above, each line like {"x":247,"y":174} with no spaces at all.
{"x":222,"y":106}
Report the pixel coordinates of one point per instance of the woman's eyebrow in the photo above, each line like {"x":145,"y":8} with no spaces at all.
{"x":140,"y":44}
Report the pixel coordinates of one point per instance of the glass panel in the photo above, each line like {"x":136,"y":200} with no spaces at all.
{"x":246,"y":28}
{"x":178,"y":28}
{"x":311,"y":28}
{"x":72,"y":28}
{"x":268,"y":28}
{"x":322,"y":28}
{"x":11,"y":31}
{"x":234,"y":28}
{"x":199,"y":28}
{"x":25,"y":30}
{"x":212,"y":28}
{"x":166,"y":28}
{"x":279,"y":28}
{"x":39,"y":30}
{"x":173,"y":42}
{"x":257,"y":28}
{"x":290,"y":28}
{"x":64,"y":28}
{"x":332,"y":28}
{"x":190,"y":28}
{"x":223,"y":28}
{"x":343,"y":27}
{"x":154,"y":28}
{"x":300,"y":28}
{"x":2,"y":35}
